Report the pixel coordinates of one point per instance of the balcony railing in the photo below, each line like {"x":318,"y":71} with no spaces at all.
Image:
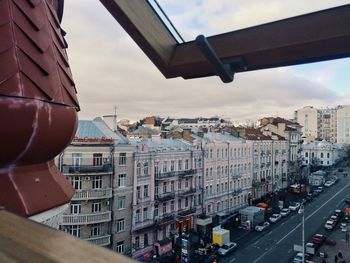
{"x":92,"y":194}
{"x":187,"y":172}
{"x":161,"y":176}
{"x":143,"y":224}
{"x":165,"y":219}
{"x":187,"y":211}
{"x":237,"y":191}
{"x":237,"y":175}
{"x":187,"y":191}
{"x":84,"y":219}
{"x":165,"y":197}
{"x":100,"y":240}
{"x":87,"y":169}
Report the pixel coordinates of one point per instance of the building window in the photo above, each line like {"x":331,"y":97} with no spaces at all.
{"x":120,"y":225}
{"x":121,"y":202}
{"x":95,"y":230}
{"x":96,"y":207}
{"x":155,"y":210}
{"x":156,"y":169}
{"x":321,"y":155}
{"x":121,"y":180}
{"x":138,"y":169}
{"x":186,"y":202}
{"x":122,"y":158}
{"x":172,"y":166}
{"x":187,"y":162}
{"x":96,"y":182}
{"x":145,"y":213}
{"x":145,"y":191}
{"x":328,"y":155}
{"x":164,"y":187}
{"x":97,"y":159}
{"x":179,"y":204}
{"x":179,"y":165}
{"x":187,"y":183}
{"x":172,"y":186}
{"x":306,"y":154}
{"x":164,"y":208}
{"x":209,"y":209}
{"x":137,"y":242}
{"x":77,"y":159}
{"x":145,"y":240}
{"x":120,"y":247}
{"x":165,"y":168}
{"x":145,"y":169}
{"x":172,"y":206}
{"x":74,"y":231}
{"x":138,"y":192}
{"x":76,"y":182}
{"x":179,"y":184}
{"x":75,"y":209}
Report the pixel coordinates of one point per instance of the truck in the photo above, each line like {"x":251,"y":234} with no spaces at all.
{"x":264,"y":206}
{"x":220,"y":236}
{"x":251,"y":216}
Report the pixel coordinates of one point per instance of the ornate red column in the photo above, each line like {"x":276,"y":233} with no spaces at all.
{"x":38,"y":106}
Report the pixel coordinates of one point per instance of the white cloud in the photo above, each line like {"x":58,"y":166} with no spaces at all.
{"x":109,"y":69}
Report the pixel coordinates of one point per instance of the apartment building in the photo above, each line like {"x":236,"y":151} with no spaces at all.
{"x":308,"y":118}
{"x":167,"y":176}
{"x":343,"y":124}
{"x":291,"y":131}
{"x":227,"y":173}
{"x":269,"y":160}
{"x":327,"y":124}
{"x":89,"y":164}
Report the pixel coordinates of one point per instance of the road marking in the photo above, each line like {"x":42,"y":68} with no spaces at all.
{"x":256,"y":242}
{"x":300,"y":223}
{"x":232,"y":260}
{"x":283,"y":223}
{"x":290,"y":250}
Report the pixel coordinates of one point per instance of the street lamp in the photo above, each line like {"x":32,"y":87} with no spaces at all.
{"x":301,"y":211}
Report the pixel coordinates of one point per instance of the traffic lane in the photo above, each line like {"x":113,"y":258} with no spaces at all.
{"x":283,"y":249}
{"x":280,"y":233}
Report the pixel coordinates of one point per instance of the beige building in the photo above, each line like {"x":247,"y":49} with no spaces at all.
{"x":307,"y":117}
{"x":343,"y":124}
{"x":98,"y":164}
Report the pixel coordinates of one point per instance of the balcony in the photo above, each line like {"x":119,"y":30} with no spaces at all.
{"x":237,"y":175}
{"x":100,"y":240}
{"x":92,"y":194}
{"x":186,"y":211}
{"x":257,"y":183}
{"x":165,"y":219}
{"x":187,"y":172}
{"x":147,"y":223}
{"x":87,"y":169}
{"x":162,"y":176}
{"x":187,"y":191}
{"x":164,"y":197}
{"x":85,"y":219}
{"x":237,"y":191}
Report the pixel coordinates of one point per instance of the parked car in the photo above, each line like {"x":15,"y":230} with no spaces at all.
{"x":227,"y":248}
{"x":262,"y":226}
{"x":299,"y":258}
{"x":339,"y":213}
{"x":319,"y":189}
{"x":285,"y":212}
{"x":335,"y":218}
{"x":318,"y":239}
{"x":274,"y":218}
{"x":330,"y":224}
{"x":334,"y":179}
{"x":294,"y":206}
{"x":343,"y":227}
{"x":309,"y":196}
{"x":315,"y":193}
{"x":328,"y":184}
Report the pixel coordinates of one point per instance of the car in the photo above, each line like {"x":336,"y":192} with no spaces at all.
{"x":309,"y":196}
{"x":339,"y":213}
{"x":315,"y":193}
{"x":330,"y":224}
{"x":262,"y":226}
{"x":227,"y":248}
{"x":298,"y":258}
{"x":328,"y":184}
{"x":334,"y":179}
{"x":294,"y":206}
{"x":318,"y":239}
{"x":211,"y":259}
{"x":319,"y":189}
{"x":274,"y":218}
{"x":285,"y":212}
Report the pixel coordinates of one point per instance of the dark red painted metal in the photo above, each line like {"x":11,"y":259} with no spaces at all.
{"x":38,"y":106}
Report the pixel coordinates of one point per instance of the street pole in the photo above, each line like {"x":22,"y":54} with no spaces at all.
{"x":301,"y":210}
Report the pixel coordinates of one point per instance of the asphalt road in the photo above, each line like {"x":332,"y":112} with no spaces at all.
{"x":276,"y":244}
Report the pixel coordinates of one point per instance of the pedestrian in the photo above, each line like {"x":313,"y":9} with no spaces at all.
{"x":336,"y":259}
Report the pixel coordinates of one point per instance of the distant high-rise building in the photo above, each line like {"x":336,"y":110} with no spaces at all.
{"x":343,"y":124}
{"x":307,"y":117}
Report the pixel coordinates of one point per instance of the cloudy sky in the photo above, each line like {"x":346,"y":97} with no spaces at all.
{"x":110,"y":70}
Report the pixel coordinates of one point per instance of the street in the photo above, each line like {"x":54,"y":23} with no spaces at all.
{"x":276,"y":244}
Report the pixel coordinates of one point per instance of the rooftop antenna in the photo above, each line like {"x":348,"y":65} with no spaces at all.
{"x":115,"y":119}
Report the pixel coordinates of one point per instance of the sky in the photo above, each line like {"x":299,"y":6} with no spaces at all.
{"x":110,"y":70}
